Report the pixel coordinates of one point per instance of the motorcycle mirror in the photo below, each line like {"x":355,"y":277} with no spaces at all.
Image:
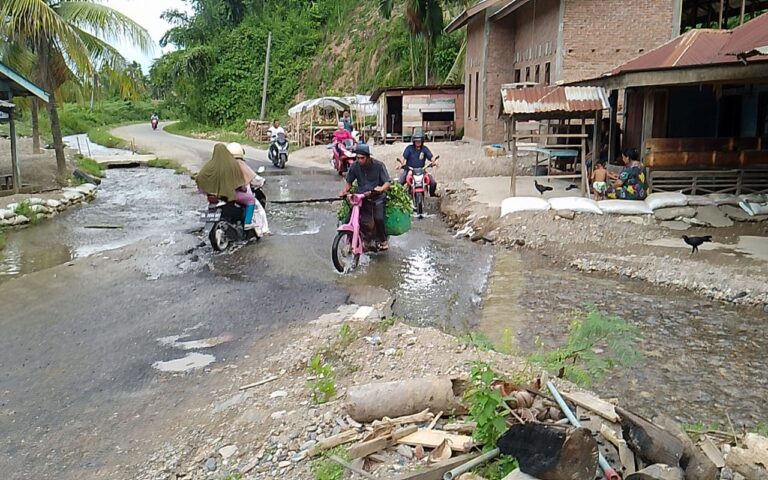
{"x":261,"y":169}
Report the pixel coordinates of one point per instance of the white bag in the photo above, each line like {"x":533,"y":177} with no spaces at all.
{"x":700,"y":201}
{"x":523,"y":204}
{"x":625,"y":207}
{"x":575,"y":204}
{"x":724,"y":199}
{"x":666,"y":199}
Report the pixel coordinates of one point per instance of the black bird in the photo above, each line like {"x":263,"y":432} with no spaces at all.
{"x":571,"y":187}
{"x":695,"y":242}
{"x":541,"y":188}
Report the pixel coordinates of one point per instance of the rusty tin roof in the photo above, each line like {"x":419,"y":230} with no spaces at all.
{"x":553,"y":99}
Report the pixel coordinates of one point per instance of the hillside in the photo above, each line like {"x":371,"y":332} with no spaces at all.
{"x":322,"y":47}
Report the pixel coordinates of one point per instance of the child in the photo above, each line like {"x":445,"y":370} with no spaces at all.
{"x":599,"y":180}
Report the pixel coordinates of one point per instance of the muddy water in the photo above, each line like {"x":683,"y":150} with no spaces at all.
{"x":143,"y":202}
{"x":700,"y":358}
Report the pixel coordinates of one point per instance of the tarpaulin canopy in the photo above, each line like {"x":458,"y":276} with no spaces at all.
{"x":359,"y":104}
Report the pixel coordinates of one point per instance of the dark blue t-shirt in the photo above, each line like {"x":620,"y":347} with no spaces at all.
{"x":416,"y":158}
{"x":368,"y":178}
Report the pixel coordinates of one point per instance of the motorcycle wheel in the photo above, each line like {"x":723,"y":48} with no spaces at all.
{"x":418,"y":200}
{"x":282,"y":160}
{"x":218,"y":237}
{"x":341,"y":253}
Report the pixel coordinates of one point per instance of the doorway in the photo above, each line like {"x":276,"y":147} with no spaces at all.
{"x":395,"y":115}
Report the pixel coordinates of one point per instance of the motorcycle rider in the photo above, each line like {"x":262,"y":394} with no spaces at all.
{"x":273,"y":132}
{"x":347,"y":121}
{"x":250,"y":177}
{"x":222,"y":176}
{"x":416,"y":155}
{"x":373,"y":181}
{"x":340,"y":136}
{"x":154,"y":116}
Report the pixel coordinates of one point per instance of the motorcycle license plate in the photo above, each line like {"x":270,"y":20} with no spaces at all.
{"x":210,"y":216}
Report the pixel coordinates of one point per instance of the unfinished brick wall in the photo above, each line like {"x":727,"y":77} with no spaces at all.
{"x":536,"y":27}
{"x":474,"y":67}
{"x":599,"y":35}
{"x":499,"y":70}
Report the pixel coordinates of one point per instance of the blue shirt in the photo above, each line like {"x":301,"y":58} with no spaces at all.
{"x":416,"y":158}
{"x":347,"y":124}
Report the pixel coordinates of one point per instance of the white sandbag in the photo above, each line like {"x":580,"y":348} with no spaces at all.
{"x":665,"y":200}
{"x":753,"y":208}
{"x":575,"y":204}
{"x":35,"y":201}
{"x":700,"y":201}
{"x":6,"y":214}
{"x":523,"y":204}
{"x":724,"y":199}
{"x":754,"y":198}
{"x":625,"y":207}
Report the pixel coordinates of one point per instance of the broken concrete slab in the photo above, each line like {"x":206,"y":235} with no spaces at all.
{"x":672,"y":213}
{"x":675,"y":225}
{"x":713,"y":217}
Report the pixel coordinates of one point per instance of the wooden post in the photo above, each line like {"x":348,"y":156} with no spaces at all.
{"x":597,"y":137}
{"x":722,"y":9}
{"x":613,"y":133}
{"x":513,"y":186}
{"x":647,"y":131}
{"x":584,"y":156}
{"x":266,"y":79}
{"x":14,"y":154}
{"x":743,"y":10}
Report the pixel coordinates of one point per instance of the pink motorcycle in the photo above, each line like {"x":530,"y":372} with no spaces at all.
{"x":350,"y":241}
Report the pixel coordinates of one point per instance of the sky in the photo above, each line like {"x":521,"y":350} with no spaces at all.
{"x":147,"y":14}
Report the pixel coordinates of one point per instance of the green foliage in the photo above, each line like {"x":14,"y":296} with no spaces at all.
{"x":486,"y":405}
{"x":25,"y":209}
{"x":232,"y":133}
{"x":168,"y":164}
{"x":478,"y":340}
{"x":596,"y":344}
{"x":78,"y":118}
{"x":398,"y":198}
{"x":324,"y":385}
{"x":345,"y":334}
{"x":326,"y":469}
{"x":89,"y":166}
{"x":389,"y":322}
{"x":497,"y":469}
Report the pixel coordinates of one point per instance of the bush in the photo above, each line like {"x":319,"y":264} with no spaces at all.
{"x":89,"y":165}
{"x":167,"y":164}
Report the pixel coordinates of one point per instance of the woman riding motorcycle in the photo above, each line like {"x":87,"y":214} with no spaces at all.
{"x":340,"y":136}
{"x":251,"y":178}
{"x":223,"y":177}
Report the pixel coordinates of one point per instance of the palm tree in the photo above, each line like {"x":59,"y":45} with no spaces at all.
{"x":70,"y":39}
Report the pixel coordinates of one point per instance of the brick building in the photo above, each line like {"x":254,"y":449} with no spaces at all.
{"x":558,"y":41}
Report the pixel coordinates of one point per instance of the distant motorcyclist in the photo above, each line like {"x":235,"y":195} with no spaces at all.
{"x":416,"y":155}
{"x":273,"y":132}
{"x":154,"y":117}
{"x":373,"y":181}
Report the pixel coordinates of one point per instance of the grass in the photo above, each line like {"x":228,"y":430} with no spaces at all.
{"x":191,"y":129}
{"x":168,"y":164}
{"x":25,"y":209}
{"x":324,"y":385}
{"x":326,"y":469}
{"x":89,"y":166}
{"x":101,"y":136}
{"x":479,"y":340}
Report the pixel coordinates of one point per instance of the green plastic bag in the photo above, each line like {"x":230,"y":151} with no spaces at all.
{"x":396,"y":221}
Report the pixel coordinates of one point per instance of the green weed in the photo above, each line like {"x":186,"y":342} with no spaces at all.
{"x":497,"y":469}
{"x":101,"y":136}
{"x":168,"y":164}
{"x":486,"y":405}
{"x":220,"y":134}
{"x":326,"y":469}
{"x":345,"y":335}
{"x":389,"y":322}
{"x":25,"y":209}
{"x":89,"y":165}
{"x":596,"y":344}
{"x":478,"y":340}
{"x":324,"y":385}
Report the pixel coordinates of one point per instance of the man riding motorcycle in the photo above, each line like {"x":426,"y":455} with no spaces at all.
{"x":415,"y":156}
{"x":373,"y":181}
{"x":273,"y":131}
{"x":253,"y":181}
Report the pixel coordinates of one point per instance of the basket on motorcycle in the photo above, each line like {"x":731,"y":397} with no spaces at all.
{"x":396,"y":221}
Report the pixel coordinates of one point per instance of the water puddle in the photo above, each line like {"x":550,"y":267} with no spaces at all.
{"x":84,"y":145}
{"x":749,"y":245}
{"x":190,"y":361}
{"x":176,"y":341}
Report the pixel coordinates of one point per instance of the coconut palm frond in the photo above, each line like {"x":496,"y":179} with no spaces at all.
{"x":105,"y":22}
{"x":456,"y":74}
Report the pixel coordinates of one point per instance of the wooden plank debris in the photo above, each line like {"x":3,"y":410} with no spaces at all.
{"x":372,"y":446}
{"x":259,"y":383}
{"x":517,"y":474}
{"x":351,"y":468}
{"x":433,"y":438}
{"x":333,"y":441}
{"x":462,"y":428}
{"x":712,"y":452}
{"x":437,"y":471}
{"x":651,"y":442}
{"x":626,"y":455}
{"x":434,"y":421}
{"x":593,"y":404}
{"x":421,"y":417}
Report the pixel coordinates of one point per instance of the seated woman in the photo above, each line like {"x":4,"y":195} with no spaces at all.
{"x":222,"y":176}
{"x":340,"y":135}
{"x":630,"y":184}
{"x":251,"y":178}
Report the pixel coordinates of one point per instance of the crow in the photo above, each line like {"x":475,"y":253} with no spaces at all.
{"x":541,"y":188}
{"x":571,"y":187}
{"x":695,"y":242}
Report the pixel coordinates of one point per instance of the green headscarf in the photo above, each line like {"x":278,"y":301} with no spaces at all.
{"x":221,"y":176}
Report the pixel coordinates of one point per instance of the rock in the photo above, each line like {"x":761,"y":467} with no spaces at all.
{"x":751,"y":460}
{"x":299,"y":456}
{"x":726,"y":474}
{"x":51,"y":203}
{"x":38,"y":209}
{"x":307,"y":445}
{"x":278,"y":394}
{"x":566,"y":214}
{"x":713,"y":217}
{"x":227,"y":451}
{"x":673,"y":213}
{"x":86,"y":188}
{"x":491,"y":236}
{"x":312,"y":428}
{"x":86,"y":177}
{"x":284,"y":463}
{"x":210,"y":465}
{"x":72,"y":196}
{"x":35,"y":201}
{"x":405,"y":451}
{"x":658,"y":471}
{"x":277,"y":415}
{"x":637,"y":220}
{"x":676,"y":225}
{"x":19,"y":220}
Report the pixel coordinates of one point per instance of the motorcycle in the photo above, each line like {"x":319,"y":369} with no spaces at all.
{"x":153,"y":122}
{"x":350,"y":241}
{"x":225,"y":220}
{"x":417,"y":185}
{"x":278,"y":150}
{"x":343,"y":156}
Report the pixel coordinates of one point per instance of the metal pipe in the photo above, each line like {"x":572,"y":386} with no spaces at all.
{"x":610,"y":473}
{"x":451,"y":474}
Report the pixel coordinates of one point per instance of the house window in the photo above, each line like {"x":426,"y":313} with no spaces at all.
{"x":517,"y":75}
{"x":527,"y":74}
{"x":477,"y":87}
{"x":537,"y":71}
{"x":469,"y":96}
{"x":547,"y":74}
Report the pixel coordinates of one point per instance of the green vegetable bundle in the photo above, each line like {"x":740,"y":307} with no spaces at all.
{"x":397,"y":199}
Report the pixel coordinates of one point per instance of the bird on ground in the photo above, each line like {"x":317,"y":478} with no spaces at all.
{"x":571,"y":187}
{"x":695,"y":242}
{"x":541,"y":188}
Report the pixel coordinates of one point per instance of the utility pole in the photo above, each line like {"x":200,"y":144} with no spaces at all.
{"x":266,"y":78}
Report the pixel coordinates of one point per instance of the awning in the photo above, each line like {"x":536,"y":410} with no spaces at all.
{"x":360,"y":104}
{"x":20,"y":85}
{"x":569,"y":101}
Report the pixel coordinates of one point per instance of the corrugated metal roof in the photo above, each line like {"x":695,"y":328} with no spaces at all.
{"x":6,"y":104}
{"x":470,"y":12}
{"x":20,"y":85}
{"x":748,"y":37}
{"x":510,"y":7}
{"x":414,"y":88}
{"x":553,"y":99}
